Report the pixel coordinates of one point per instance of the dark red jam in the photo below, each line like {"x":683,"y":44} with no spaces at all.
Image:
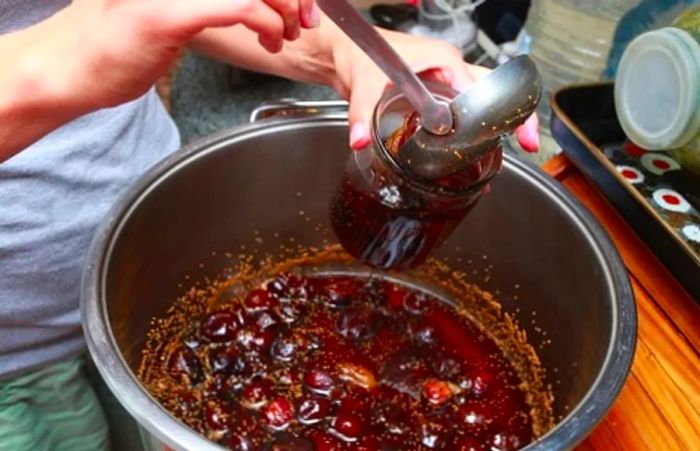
{"x":343,"y":363}
{"x":390,"y":229}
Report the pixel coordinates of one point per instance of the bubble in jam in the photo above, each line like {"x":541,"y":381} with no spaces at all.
{"x":341,"y":363}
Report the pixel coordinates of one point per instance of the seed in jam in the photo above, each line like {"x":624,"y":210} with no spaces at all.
{"x":347,"y":426}
{"x":364,"y":365}
{"x":313,"y":410}
{"x":216,"y":416}
{"x":226,"y":360}
{"x":423,"y":334}
{"x":289,"y":312}
{"x":284,"y":348}
{"x":256,"y":341}
{"x":279,"y":413}
{"x":359,"y":324}
{"x":279,"y":287}
{"x":183,"y":362}
{"x":219,"y":327}
{"x":256,"y":393}
{"x":319,"y":382}
{"x":266,"y":320}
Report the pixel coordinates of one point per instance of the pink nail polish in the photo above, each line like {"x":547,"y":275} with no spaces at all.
{"x":315,"y":16}
{"x":359,"y":138}
{"x":529,"y":139}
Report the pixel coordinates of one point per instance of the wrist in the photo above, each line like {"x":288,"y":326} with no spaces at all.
{"x":39,"y":94}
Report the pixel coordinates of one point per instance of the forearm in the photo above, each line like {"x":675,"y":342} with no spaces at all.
{"x":308,"y":59}
{"x":35,"y":75}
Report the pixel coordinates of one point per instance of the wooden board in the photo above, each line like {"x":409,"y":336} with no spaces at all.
{"x":659,"y":407}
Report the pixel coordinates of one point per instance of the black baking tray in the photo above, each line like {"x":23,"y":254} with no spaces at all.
{"x":583,"y":123}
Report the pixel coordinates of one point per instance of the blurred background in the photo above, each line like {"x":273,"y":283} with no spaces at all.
{"x":572,"y":41}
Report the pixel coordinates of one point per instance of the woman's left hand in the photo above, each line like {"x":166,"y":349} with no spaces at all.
{"x":360,"y":81}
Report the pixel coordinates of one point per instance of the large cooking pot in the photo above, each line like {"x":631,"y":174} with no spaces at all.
{"x":553,"y":265}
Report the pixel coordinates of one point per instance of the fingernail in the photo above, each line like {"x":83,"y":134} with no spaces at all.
{"x":315,"y":16}
{"x":359,"y":137}
{"x":448,"y":76}
{"x":529,"y":139}
{"x":291,"y":35}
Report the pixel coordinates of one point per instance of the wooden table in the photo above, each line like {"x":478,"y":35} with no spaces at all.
{"x":659,"y":406}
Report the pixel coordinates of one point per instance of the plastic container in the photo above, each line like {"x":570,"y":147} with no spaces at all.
{"x":648,"y":15}
{"x":571,"y":40}
{"x":657,"y":90}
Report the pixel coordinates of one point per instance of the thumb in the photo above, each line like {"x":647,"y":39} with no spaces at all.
{"x":363,"y":98}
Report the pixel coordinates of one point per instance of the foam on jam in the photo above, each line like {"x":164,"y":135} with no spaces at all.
{"x":335,"y":363}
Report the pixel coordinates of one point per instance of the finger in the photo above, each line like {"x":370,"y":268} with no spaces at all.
{"x":451,"y":65}
{"x":189,"y":17}
{"x":289,"y":10}
{"x":528,"y":134}
{"x":271,"y":44}
{"x":309,"y":13}
{"x":441,"y":75}
{"x":363,"y":97}
{"x":365,"y":94}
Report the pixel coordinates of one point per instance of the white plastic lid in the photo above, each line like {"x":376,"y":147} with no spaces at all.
{"x":657,"y":89}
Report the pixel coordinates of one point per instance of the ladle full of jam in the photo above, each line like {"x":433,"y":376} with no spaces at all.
{"x":341,"y":362}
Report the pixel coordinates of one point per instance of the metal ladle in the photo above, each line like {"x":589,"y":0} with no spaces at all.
{"x":478,"y":118}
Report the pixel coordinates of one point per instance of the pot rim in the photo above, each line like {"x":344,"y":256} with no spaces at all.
{"x":148,"y":412}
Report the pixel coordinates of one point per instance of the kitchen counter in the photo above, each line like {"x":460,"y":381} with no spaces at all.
{"x":659,"y":406}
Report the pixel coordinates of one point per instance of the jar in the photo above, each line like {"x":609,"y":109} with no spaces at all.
{"x":657,"y":90}
{"x":388,"y":218}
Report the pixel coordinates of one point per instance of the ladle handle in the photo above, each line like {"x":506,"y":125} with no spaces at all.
{"x":436,"y":116}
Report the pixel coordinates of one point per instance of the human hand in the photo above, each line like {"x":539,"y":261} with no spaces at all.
{"x":360,"y":81}
{"x":117,"y":49}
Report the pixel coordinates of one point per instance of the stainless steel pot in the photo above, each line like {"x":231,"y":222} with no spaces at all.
{"x":546,"y":256}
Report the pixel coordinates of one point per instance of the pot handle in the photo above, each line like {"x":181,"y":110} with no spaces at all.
{"x":292,"y":108}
